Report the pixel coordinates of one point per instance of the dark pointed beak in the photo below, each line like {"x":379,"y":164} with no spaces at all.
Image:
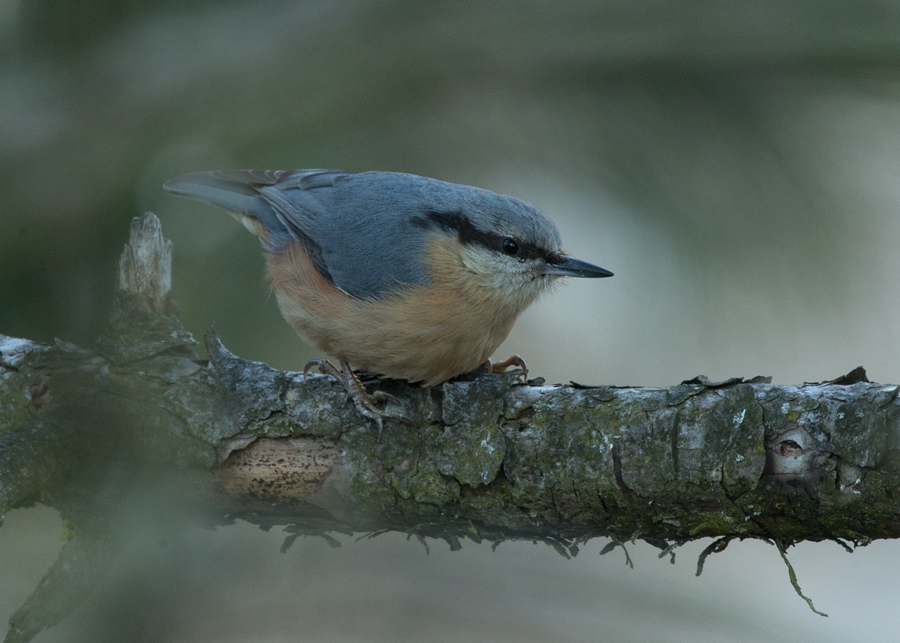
{"x":565,"y":266}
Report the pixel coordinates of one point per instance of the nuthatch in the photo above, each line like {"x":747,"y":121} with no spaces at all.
{"x":397,"y":274}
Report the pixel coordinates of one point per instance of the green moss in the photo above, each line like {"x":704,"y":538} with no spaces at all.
{"x":15,"y":406}
{"x":714,"y":524}
{"x":425,"y":485}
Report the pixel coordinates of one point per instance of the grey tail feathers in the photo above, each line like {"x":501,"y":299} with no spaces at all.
{"x":238,"y":192}
{"x":232,"y":191}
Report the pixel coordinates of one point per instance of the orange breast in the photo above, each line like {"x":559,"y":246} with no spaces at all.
{"x":417,"y":333}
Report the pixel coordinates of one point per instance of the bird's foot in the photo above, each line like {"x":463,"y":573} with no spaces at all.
{"x":504,"y":366}
{"x":366,"y":403}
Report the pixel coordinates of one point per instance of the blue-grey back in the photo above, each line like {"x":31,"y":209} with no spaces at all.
{"x":365,"y":230}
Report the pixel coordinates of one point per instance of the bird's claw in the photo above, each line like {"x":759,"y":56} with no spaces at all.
{"x":383,"y":395}
{"x":504,"y":366}
{"x":366,"y":403}
{"x":325,"y":368}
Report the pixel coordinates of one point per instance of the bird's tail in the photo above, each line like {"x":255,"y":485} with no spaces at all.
{"x":236,"y":191}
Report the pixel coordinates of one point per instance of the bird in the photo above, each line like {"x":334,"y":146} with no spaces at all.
{"x":401,"y":275}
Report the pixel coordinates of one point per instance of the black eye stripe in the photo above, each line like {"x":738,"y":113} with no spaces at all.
{"x":469,"y":234}
{"x":531,"y":251}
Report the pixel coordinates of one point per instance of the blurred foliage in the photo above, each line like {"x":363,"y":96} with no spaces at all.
{"x":65,"y":28}
{"x":733,"y":162}
{"x":718,"y":145}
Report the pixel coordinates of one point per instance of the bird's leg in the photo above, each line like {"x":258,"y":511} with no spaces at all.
{"x":365,"y":402}
{"x":504,"y":366}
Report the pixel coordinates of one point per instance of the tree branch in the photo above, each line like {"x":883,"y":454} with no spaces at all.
{"x":484,"y":457}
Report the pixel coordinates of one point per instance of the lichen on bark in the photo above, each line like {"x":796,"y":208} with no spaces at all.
{"x":485,"y":457}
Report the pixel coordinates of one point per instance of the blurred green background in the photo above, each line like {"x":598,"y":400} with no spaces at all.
{"x":734,"y":163}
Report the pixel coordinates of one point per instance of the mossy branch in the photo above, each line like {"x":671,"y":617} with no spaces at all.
{"x":485,"y":457}
{"x":488,"y":457}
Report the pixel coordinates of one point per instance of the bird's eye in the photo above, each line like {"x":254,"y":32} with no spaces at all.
{"x":509,"y":246}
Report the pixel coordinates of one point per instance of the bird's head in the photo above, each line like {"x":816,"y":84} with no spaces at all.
{"x":507,"y":247}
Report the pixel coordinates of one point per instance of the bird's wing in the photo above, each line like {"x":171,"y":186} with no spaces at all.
{"x":370,"y":235}
{"x":356,"y":227}
{"x":282,"y":201}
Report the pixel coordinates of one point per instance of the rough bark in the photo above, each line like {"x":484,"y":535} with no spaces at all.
{"x":486,"y":457}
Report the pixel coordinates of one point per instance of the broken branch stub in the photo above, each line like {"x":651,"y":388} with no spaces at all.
{"x":145,"y":267}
